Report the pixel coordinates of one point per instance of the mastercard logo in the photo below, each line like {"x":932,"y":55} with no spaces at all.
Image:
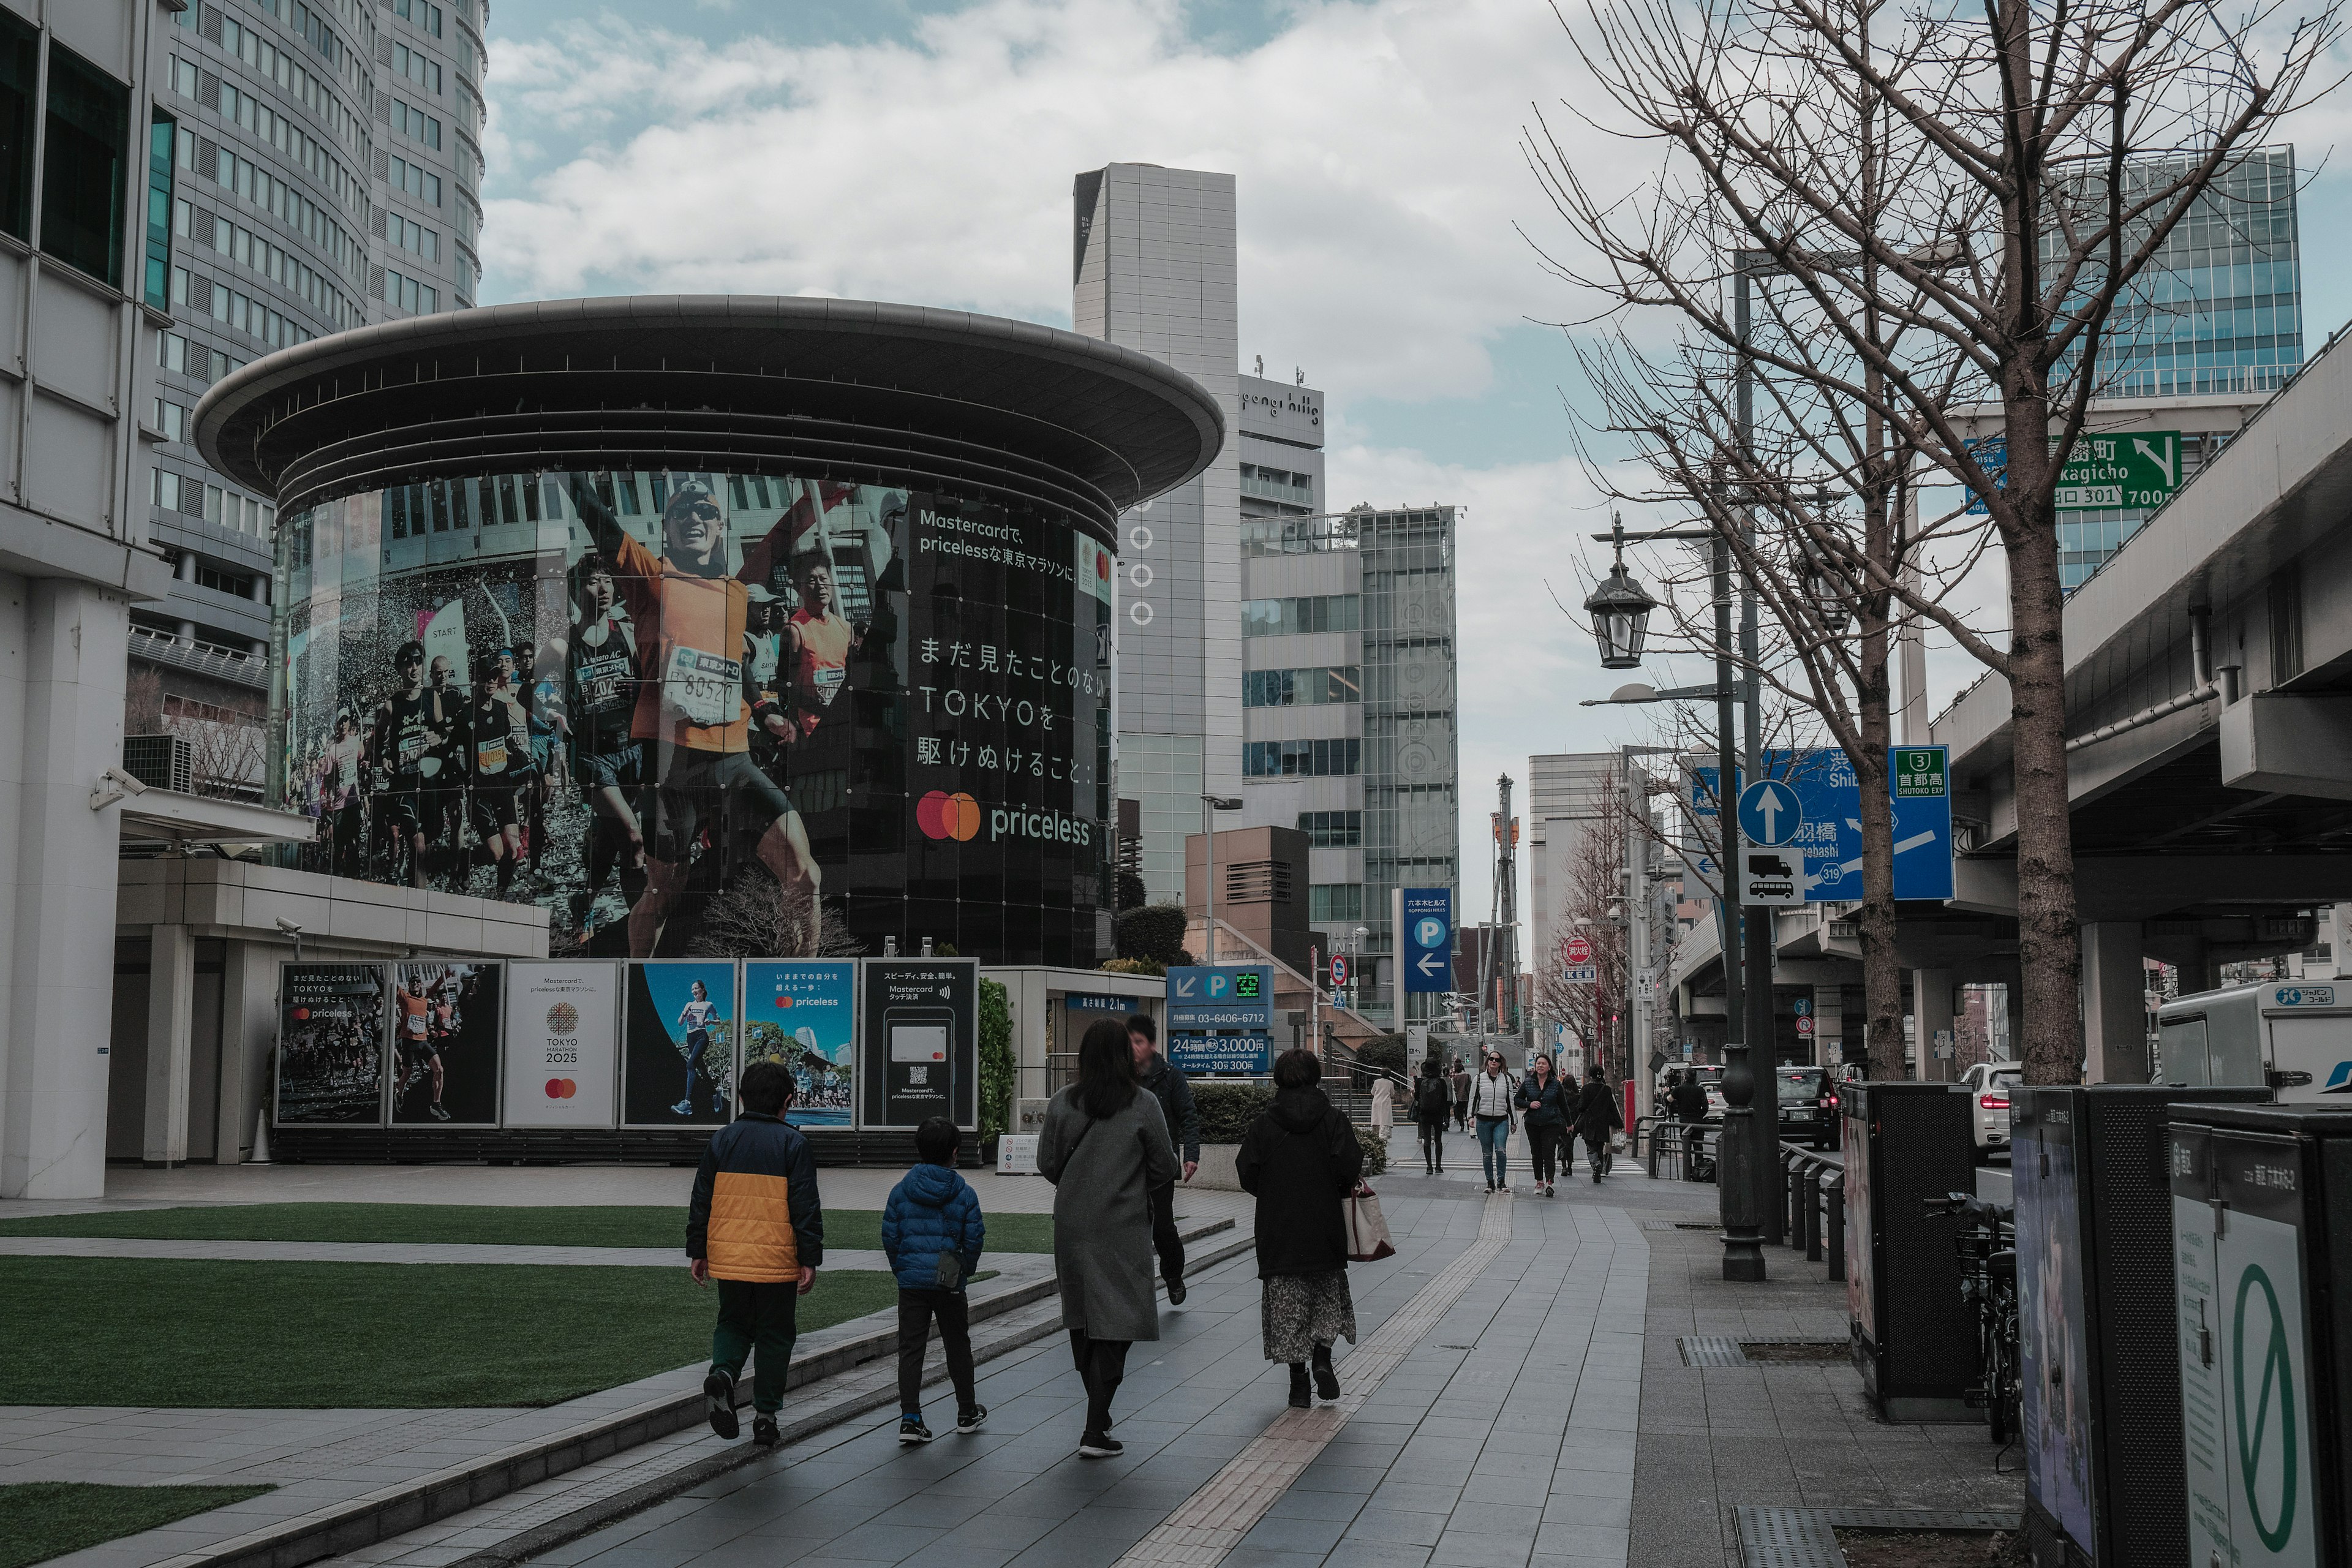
{"x":943,"y":816}
{"x":301,"y":1015}
{"x":562,"y":1089}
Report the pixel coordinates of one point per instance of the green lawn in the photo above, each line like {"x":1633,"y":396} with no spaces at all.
{"x":604,"y":1225}
{"x":104,"y":1330}
{"x":41,"y":1520}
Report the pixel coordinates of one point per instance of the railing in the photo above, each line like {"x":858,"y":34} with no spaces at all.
{"x":205,"y":659}
{"x":1812,"y":1196}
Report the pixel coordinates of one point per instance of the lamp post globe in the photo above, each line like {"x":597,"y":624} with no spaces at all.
{"x":1620,"y":608}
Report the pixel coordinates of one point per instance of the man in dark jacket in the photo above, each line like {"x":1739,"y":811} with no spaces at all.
{"x":1167,"y":1084}
{"x":755,"y":1225}
{"x":1597,"y":1117}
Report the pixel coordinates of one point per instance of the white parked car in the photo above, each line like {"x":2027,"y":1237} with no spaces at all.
{"x":1988,"y":1084}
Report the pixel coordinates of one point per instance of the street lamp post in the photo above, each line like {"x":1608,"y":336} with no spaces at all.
{"x":1356,"y":960}
{"x":1210,"y":805}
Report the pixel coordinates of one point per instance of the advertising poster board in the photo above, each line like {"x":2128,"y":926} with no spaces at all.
{"x":678,"y":1056}
{"x":802,"y":1013}
{"x":921,"y":1033}
{"x":444,"y":1044}
{"x":562,"y":1045}
{"x":2055,"y":1406}
{"x":330,"y":1021}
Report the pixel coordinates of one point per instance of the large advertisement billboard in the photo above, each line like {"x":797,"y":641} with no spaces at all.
{"x":563,"y":1026}
{"x":331,"y":1044}
{"x":678,"y":1032}
{"x":695,"y":713}
{"x":444,"y":1044}
{"x":802,"y":1013}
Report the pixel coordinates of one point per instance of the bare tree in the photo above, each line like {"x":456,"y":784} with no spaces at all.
{"x":1590,"y":908}
{"x":1949,"y":203}
{"x":746,"y":920}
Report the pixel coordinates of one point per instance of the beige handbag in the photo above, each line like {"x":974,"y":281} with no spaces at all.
{"x":1367,"y":1233}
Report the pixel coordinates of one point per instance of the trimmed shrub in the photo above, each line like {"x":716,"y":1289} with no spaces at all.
{"x":996,"y":1058}
{"x":1376,"y":1151}
{"x":1154,"y":933}
{"x":1227,"y":1109}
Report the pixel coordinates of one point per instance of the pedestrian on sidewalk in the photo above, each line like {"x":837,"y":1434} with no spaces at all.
{"x":1103,"y":1147}
{"x":1300,"y":1160}
{"x":932,"y":1233}
{"x":756,"y":1227}
{"x":1459,"y":1082}
{"x":1688,"y":1103}
{"x":1167,"y":1084}
{"x":1543,"y":1100}
{"x":1597,"y":1117}
{"x":1491,"y":1108}
{"x":1433,"y":1101}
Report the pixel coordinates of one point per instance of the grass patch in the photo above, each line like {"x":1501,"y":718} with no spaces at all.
{"x":590,"y":1226}
{"x":41,"y":1520}
{"x":105,"y":1330}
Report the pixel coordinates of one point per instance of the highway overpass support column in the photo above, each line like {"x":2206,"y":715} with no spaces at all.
{"x":1931,"y":1013}
{"x":2114,"y":1002}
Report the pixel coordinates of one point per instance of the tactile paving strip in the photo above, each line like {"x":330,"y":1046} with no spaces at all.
{"x":1806,"y":1537}
{"x":1711,"y":1350}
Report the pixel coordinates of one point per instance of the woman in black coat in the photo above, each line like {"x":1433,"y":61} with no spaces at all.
{"x":1597,"y":1117}
{"x":1301,"y":1160}
{"x":1544,"y":1100}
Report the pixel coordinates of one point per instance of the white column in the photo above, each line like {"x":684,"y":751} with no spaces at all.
{"x":1931,"y":1011}
{"x":60,"y":725}
{"x":2114,"y":1002}
{"x":171,"y":1028}
{"x":1829,"y":1026}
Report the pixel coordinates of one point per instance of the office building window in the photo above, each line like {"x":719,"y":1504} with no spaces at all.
{"x":412,"y":64}
{"x":1332,"y":829}
{"x":418,"y":299}
{"x":20,"y":66}
{"x":418,"y":181}
{"x":412,"y":236}
{"x":1279,"y":617}
{"x":1335,"y":901}
{"x":1302,"y":759}
{"x":160,"y":137}
{"x":415,"y":125}
{"x":83,"y":167}
{"x":1310,"y":686}
{"x":424,"y":15}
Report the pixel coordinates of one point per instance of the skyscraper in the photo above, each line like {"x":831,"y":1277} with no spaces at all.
{"x":328,"y":167}
{"x":1154,"y":271}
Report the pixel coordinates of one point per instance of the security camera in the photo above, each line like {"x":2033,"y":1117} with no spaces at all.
{"x":288,"y":927}
{"x":113,"y":785}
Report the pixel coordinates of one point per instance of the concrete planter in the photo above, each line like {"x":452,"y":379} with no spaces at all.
{"x":1216,"y":1171}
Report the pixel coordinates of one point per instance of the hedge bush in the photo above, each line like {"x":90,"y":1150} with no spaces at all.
{"x":1376,"y":1151}
{"x":1227,"y":1109}
{"x":996,"y":1062}
{"x":1155,"y":931}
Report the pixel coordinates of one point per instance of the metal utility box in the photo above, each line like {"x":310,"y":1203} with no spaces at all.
{"x":2264,"y":1307}
{"x":2097,"y":1338}
{"x":1914,"y":1341}
{"x":2294,"y":1035}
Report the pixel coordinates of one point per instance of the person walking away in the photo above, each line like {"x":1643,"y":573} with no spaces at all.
{"x":1688,"y":1103}
{"x":1597,"y":1117}
{"x":1432,"y":1102}
{"x":1543,"y":1099}
{"x":1167,"y":1084}
{"x":1458,"y":1080}
{"x":1300,"y":1160}
{"x":1491,"y":1110}
{"x":1104,"y":1147}
{"x":932,"y":1233}
{"x":756,"y":1226}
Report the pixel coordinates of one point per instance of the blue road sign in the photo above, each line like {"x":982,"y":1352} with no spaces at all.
{"x":1829,"y":835}
{"x":1428,"y":939}
{"x":1769,"y":814}
{"x":1229,"y":997}
{"x":1246,"y":1055}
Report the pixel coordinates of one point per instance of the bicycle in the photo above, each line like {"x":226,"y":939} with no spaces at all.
{"x":1987,"y":1252}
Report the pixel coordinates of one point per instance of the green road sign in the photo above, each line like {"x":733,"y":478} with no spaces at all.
{"x":2134,"y":469}
{"x":1919,"y":771}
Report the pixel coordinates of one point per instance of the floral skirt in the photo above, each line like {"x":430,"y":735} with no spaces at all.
{"x":1299,"y":1311}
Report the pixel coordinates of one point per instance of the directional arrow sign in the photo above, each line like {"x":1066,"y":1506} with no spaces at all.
{"x":1428,"y":939}
{"x":1769,"y":814}
{"x":1431,"y":964}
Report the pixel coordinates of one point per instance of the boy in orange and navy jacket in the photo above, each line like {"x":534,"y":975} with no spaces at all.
{"x":756,"y":1227}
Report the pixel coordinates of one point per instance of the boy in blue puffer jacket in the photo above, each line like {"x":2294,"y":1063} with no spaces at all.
{"x":931,"y":1232}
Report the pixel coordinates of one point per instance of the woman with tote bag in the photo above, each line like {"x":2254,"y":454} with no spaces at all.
{"x":1301,"y":1161}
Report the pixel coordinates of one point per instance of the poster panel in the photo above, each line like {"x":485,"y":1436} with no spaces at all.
{"x":677,"y":1062}
{"x":563,"y":1046}
{"x":2055,"y":1409}
{"x":331,"y":1044}
{"x":444,"y":1044}
{"x":920,"y":1030}
{"x":802,"y":1013}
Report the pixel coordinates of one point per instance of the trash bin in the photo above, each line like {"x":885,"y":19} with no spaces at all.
{"x":2265,"y":1332}
{"x":2097,"y":1333}
{"x":1915,"y":1339}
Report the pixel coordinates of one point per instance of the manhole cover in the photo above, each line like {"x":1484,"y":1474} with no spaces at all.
{"x":1786,"y":1351}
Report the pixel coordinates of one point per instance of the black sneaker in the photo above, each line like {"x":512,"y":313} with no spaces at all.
{"x":912,"y":1432}
{"x":1100,"y":1445}
{"x":973,"y":1420}
{"x":1176,"y":1291}
{"x":763,"y":1431}
{"x":718,"y":1390}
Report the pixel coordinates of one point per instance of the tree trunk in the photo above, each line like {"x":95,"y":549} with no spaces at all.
{"x":1882,"y":969}
{"x":2050,"y":952}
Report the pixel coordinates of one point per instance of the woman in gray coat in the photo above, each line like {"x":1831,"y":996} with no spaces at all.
{"x":1103,"y":1147}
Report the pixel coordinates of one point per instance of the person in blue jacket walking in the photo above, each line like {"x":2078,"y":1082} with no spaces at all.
{"x":932,"y":1233}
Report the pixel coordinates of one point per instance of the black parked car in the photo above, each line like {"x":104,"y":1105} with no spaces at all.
{"x":1809,"y":1107}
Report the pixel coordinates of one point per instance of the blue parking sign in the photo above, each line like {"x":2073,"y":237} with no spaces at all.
{"x":1428,"y":939}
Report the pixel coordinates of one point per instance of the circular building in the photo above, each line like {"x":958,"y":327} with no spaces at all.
{"x":718,"y":625}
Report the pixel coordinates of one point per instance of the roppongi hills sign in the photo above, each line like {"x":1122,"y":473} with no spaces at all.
{"x":669,"y":707}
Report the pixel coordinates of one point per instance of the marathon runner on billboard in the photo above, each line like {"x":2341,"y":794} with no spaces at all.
{"x":542,"y":704}
{"x":600,"y":660}
{"x":411,"y":729}
{"x":765,"y":678}
{"x":340,"y":770}
{"x":691,"y":616}
{"x":498,"y":750}
{"x":417,"y":1045}
{"x":818,"y":642}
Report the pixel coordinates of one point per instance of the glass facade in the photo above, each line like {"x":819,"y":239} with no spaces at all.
{"x":698,"y":714}
{"x":1412,"y":807}
{"x":1162,"y":774}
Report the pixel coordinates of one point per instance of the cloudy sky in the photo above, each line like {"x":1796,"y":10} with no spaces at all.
{"x":923,"y":150}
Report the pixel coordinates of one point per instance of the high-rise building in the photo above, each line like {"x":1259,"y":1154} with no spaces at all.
{"x":328,"y":169}
{"x":1154,"y":271}
{"x":1568,"y":795}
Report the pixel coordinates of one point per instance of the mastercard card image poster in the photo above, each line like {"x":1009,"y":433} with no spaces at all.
{"x":920,"y":1030}
{"x":802,"y":1013}
{"x":444,"y":1044}
{"x":563,"y":1046}
{"x":679,"y":1035}
{"x":331,"y":1044}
